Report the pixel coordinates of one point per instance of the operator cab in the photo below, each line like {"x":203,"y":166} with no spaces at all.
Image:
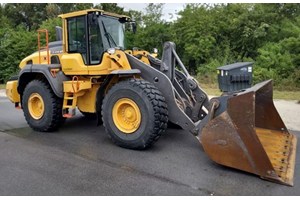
{"x":94,"y":32}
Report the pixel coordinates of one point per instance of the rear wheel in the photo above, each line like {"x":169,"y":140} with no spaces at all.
{"x":42,"y":108}
{"x":134,"y":114}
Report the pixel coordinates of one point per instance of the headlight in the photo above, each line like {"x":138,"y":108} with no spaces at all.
{"x":111,"y":51}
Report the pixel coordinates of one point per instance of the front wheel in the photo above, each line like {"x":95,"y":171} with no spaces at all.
{"x":134,"y":114}
{"x":42,"y":108}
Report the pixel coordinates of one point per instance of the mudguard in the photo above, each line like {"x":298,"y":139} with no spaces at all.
{"x":29,"y":72}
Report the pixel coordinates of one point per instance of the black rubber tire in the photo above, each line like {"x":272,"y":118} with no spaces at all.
{"x":152,"y":107}
{"x":90,"y":116}
{"x":52,"y":117}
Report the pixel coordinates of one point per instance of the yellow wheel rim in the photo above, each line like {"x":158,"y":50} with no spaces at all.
{"x":36,"y":106}
{"x":126,"y":115}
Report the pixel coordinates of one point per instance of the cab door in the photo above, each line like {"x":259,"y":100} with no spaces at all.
{"x":75,"y":60}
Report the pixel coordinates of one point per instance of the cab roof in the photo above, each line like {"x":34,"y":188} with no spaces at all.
{"x":85,"y":12}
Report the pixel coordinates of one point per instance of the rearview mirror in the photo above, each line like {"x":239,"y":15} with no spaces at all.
{"x":133,"y":24}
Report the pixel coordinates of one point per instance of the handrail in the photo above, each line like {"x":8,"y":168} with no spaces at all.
{"x":43,"y":47}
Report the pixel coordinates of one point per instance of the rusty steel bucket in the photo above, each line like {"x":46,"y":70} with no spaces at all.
{"x":246,"y":132}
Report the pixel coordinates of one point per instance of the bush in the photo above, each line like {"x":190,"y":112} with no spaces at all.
{"x":275,"y":61}
{"x":16,"y":44}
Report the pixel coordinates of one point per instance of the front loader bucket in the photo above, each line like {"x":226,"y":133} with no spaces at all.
{"x":247,"y":133}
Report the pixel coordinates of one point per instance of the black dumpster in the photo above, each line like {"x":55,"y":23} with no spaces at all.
{"x":235,"y":77}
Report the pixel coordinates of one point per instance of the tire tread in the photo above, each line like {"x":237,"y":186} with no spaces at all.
{"x":160,"y":112}
{"x":56,"y":103}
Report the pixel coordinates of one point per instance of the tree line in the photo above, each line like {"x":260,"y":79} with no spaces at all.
{"x":206,"y":35}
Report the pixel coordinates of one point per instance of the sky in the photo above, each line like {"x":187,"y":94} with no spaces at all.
{"x":169,"y":9}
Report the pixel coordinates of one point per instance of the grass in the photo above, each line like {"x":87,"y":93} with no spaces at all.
{"x":213,"y":90}
{"x":287,"y":95}
{"x":2,"y":86}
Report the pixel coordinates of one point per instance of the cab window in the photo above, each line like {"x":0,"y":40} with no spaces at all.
{"x":95,"y":41}
{"x":76,"y":36}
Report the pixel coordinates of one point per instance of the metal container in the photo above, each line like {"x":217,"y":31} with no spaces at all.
{"x":235,"y":77}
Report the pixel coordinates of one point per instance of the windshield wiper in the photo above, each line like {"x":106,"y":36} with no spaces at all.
{"x":108,"y":36}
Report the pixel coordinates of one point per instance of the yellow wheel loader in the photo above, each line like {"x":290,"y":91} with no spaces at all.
{"x":135,"y":94}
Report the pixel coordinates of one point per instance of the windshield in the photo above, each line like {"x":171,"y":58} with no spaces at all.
{"x":113,"y":31}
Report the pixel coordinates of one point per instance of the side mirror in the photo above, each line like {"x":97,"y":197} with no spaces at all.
{"x":133,"y":24}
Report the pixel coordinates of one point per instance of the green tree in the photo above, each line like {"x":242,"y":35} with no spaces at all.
{"x":206,"y":35}
{"x":28,"y":15}
{"x":16,"y":44}
{"x":130,"y":37}
{"x":50,"y":25}
{"x":153,"y":14}
{"x":71,"y":7}
{"x":152,"y":30}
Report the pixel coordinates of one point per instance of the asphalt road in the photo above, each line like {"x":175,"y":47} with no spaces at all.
{"x":80,"y":159}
